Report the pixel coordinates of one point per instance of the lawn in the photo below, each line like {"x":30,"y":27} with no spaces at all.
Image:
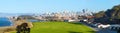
{"x":60,"y":27}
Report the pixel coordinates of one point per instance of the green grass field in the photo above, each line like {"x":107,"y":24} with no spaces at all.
{"x":60,"y":27}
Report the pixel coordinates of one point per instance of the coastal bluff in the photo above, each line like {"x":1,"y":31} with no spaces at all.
{"x":8,"y":29}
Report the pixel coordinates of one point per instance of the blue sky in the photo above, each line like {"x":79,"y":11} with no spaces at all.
{"x":42,"y":6}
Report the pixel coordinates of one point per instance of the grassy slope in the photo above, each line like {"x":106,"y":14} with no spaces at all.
{"x":59,"y":27}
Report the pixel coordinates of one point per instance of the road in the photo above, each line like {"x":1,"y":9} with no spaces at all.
{"x":98,"y":30}
{"x":106,"y":31}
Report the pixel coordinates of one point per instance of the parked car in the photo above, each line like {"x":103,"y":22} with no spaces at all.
{"x":103,"y":26}
{"x":114,"y":27}
{"x":95,"y":24}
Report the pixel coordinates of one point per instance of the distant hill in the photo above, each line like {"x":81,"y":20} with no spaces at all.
{"x":14,"y":14}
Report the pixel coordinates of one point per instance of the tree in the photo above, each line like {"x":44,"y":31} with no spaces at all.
{"x":114,"y":13}
{"x":111,"y":15}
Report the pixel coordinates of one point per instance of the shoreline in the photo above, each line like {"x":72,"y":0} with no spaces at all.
{"x":14,"y":25}
{"x":8,"y":20}
{"x":8,"y":28}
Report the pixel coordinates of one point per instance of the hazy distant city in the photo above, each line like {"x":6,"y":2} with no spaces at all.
{"x":59,"y":16}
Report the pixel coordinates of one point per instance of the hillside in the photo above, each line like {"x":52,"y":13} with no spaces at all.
{"x":109,"y":16}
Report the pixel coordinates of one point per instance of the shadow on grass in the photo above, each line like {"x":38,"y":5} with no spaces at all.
{"x":74,"y":32}
{"x":76,"y":23}
{"x":91,"y":31}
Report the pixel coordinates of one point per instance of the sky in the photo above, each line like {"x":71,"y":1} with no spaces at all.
{"x":42,"y":6}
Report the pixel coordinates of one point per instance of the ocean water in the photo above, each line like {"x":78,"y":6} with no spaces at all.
{"x":5,"y":22}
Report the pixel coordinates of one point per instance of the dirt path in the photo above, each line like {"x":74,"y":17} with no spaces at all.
{"x":3,"y":29}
